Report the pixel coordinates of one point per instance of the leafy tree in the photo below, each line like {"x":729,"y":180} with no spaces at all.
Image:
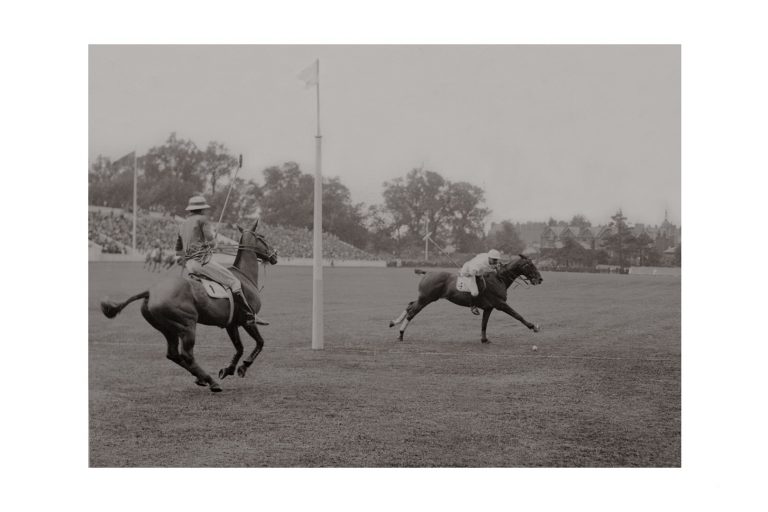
{"x":110,"y":184}
{"x":243,"y":201}
{"x":171,"y":173}
{"x":646,"y":249}
{"x":553,"y":222}
{"x":287,"y":198}
{"x":179,"y":157}
{"x":340,"y":216}
{"x":622,"y":242}
{"x":506,"y":239}
{"x":217,"y":164}
{"x":453,"y":210}
{"x":580,"y":221}
{"x":382,"y":231}
{"x":420,"y":195}
{"x":465,"y":215}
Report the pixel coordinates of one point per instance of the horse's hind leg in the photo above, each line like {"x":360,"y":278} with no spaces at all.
{"x":172,"y":340}
{"x":486,"y":315}
{"x":188,"y":356}
{"x":248,"y":361}
{"x":234,"y":335}
{"x":399,"y":319}
{"x":411,"y":311}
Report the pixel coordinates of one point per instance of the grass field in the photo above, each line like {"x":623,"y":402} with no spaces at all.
{"x":603,"y":390}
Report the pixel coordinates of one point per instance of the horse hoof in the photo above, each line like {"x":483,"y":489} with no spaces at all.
{"x":391,"y":324}
{"x":215,"y":388}
{"x":224,"y":372}
{"x":201,"y":382}
{"x":241,"y":371}
{"x":486,"y":340}
{"x":536,"y":327}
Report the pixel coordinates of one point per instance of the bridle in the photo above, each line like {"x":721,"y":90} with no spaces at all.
{"x":252,"y":248}
{"x":521,"y":277}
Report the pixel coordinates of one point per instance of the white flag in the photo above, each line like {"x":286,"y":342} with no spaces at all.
{"x":310,"y":75}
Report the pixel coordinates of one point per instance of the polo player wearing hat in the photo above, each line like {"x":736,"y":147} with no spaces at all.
{"x":483,"y":262}
{"x":194,"y":248}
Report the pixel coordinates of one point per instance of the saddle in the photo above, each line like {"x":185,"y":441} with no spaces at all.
{"x":463,"y":283}
{"x":216,"y":291}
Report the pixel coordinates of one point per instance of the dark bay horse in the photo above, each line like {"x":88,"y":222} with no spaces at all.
{"x":493,"y":293}
{"x":176,"y":305}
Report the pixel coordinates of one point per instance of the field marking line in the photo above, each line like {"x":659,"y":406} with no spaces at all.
{"x":376,"y":353}
{"x":474,"y":354}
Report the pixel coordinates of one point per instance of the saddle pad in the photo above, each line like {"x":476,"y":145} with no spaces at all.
{"x":216,"y":291}
{"x":462,"y":283}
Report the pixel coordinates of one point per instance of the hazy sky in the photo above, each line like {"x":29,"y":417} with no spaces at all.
{"x":545,"y":130}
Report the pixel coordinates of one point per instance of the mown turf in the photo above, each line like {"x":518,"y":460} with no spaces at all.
{"x":602,"y":390}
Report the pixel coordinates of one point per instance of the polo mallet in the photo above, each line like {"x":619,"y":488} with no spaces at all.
{"x":226,"y":200}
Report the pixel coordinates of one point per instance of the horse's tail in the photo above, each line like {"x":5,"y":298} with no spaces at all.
{"x":111,"y":309}
{"x":419,"y":271}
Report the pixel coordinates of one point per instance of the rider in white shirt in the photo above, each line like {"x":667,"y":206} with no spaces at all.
{"x":483,"y":262}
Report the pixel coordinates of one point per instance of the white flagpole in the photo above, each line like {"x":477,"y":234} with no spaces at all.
{"x":317,"y":250}
{"x":135,"y":181}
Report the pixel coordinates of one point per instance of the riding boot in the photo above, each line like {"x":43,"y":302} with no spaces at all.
{"x":473,"y":307}
{"x":242,"y":304}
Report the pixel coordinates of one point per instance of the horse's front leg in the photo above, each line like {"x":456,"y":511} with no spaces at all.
{"x":234,"y":335}
{"x":486,"y":315}
{"x":248,"y":361}
{"x":503,"y":306}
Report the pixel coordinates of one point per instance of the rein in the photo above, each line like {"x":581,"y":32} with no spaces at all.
{"x":235,"y":248}
{"x":519,"y":279}
{"x":232,"y":249}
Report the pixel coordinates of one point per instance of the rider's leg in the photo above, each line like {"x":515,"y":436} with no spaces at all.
{"x":222,"y":275}
{"x":250,"y":316}
{"x":474,"y":292}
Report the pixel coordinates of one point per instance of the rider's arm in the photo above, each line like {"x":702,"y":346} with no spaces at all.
{"x":205,"y":227}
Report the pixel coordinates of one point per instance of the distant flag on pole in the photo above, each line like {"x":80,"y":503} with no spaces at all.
{"x":124,"y":161}
{"x":310,"y":75}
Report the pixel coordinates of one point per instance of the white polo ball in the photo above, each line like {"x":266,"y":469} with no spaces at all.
{"x":534,"y":348}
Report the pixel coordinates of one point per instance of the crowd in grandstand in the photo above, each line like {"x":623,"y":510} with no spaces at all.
{"x":297,"y":243}
{"x":113,"y":231}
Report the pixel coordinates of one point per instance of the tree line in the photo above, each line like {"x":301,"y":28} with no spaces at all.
{"x":173,"y":171}
{"x":454,"y":212}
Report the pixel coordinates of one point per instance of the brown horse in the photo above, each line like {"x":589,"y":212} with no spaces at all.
{"x":176,"y":305}
{"x":493,"y":293}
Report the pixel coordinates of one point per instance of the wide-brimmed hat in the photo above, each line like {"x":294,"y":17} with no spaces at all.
{"x":197,"y":203}
{"x":494,"y":254}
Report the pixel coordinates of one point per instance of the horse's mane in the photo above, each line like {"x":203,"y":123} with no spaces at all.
{"x":236,"y":264}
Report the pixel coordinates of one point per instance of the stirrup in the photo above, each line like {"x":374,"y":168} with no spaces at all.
{"x":258,"y":321}
{"x":474,"y":310}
